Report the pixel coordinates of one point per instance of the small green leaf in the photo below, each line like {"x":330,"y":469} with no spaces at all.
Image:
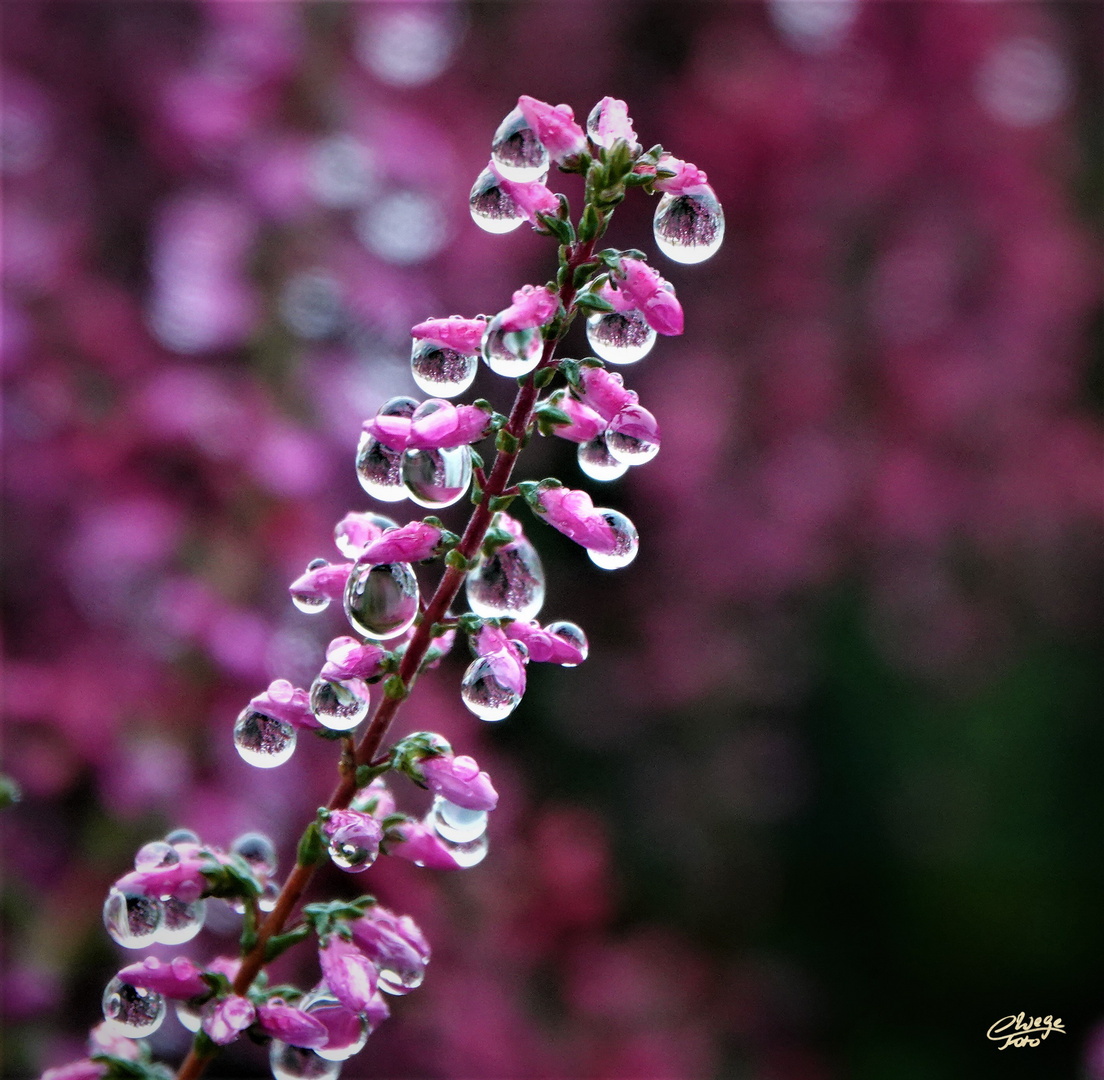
{"x":543,"y":376}
{"x":280,"y":943}
{"x":506,"y":442}
{"x":502,"y":502}
{"x":590,"y":224}
{"x":594,"y":302}
{"x":395,"y":688}
{"x":312,"y":848}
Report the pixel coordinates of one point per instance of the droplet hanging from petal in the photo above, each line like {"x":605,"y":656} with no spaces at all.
{"x":262,"y":740}
{"x":132,"y":918}
{"x":131,"y":1011}
{"x":628,"y":541}
{"x":596,"y":461}
{"x":620,"y":337}
{"x":437,"y":478}
{"x":381,"y":601}
{"x":183,"y":920}
{"x":441,"y":371}
{"x":511,"y":353}
{"x":455,"y":823}
{"x":339,"y":704}
{"x":689,"y":228}
{"x":516,"y":151}
{"x":484,"y":695}
{"x":508,"y":583}
{"x":493,"y":209}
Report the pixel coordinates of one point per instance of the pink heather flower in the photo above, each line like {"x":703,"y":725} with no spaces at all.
{"x":532,"y":197}
{"x":349,"y":974}
{"x":357,"y":530}
{"x":533,"y":305}
{"x":183,"y":880}
{"x":353,"y":827}
{"x":688,"y":179}
{"x":344,"y":1027}
{"x":459,"y":780}
{"x":225,"y":1019}
{"x":286,"y":702}
{"x":586,"y":424}
{"x":408,"y":543}
{"x":225,"y":965}
{"x":636,"y":422}
{"x":421,"y":845}
{"x":103,"y":1040}
{"x":447,"y":426}
{"x":507,"y":664}
{"x":328,"y":581}
{"x":378,"y":796}
{"x":76,"y":1070}
{"x":613,"y":123}
{"x":604,"y":391}
{"x":544,"y":648}
{"x":390,"y":942}
{"x":573,"y":513}
{"x":291,"y":1025}
{"x":377,"y":1011}
{"x":347,"y":658}
{"x":555,"y":127}
{"x":177,"y":978}
{"x":463,"y":335}
{"x":650,"y":296}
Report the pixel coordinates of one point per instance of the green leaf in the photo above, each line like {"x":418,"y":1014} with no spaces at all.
{"x":594,"y":302}
{"x":506,"y":442}
{"x":280,"y":943}
{"x":312,"y":848}
{"x":394,"y":687}
{"x":590,"y":224}
{"x":543,"y":376}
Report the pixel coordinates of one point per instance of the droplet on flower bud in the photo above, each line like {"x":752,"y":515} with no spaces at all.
{"x":689,"y":228}
{"x":484,"y":695}
{"x":379,"y":468}
{"x":339,"y":704}
{"x":348,"y":543}
{"x":469,"y":854}
{"x":132,"y":918}
{"x":440,"y":371}
{"x":436,"y":478}
{"x":629,"y":440}
{"x":509,"y":583}
{"x":183,"y":920}
{"x":572,"y":634}
{"x":516,"y":151}
{"x":492,"y":208}
{"x":311,"y":602}
{"x":455,"y":823}
{"x":131,"y":1011}
{"x":263,"y":740}
{"x":620,"y":337}
{"x":155,"y":855}
{"x":346,"y":1038}
{"x":269,"y":895}
{"x":258,"y":851}
{"x":182,"y":836}
{"x":628,"y":540}
{"x":298,"y":1063}
{"x":351,"y":857}
{"x":381,"y":601}
{"x":511,"y":353}
{"x":191,"y":1019}
{"x":598,"y":463}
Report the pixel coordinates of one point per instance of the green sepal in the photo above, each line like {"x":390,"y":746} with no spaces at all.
{"x":456,"y":560}
{"x":594,"y":302}
{"x":554,"y":226}
{"x":365,"y":774}
{"x":312,"y":848}
{"x":543,"y":376}
{"x":476,"y":493}
{"x":583,"y":272}
{"x":279,"y":944}
{"x":470,"y":623}
{"x":125,"y":1069}
{"x":328,"y":916}
{"x":204,"y":1045}
{"x":493,"y":539}
{"x":10,"y":792}
{"x":506,"y":442}
{"x":249,"y":929}
{"x":502,"y":502}
{"x":589,"y":224}
{"x":476,"y":458}
{"x":395,"y":688}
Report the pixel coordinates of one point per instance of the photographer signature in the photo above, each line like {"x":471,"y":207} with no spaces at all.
{"x":1023,"y":1030}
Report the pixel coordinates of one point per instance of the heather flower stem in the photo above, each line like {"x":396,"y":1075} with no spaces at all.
{"x":497,"y":481}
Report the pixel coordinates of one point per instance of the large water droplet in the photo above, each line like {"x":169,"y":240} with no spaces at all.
{"x":620,"y":337}
{"x":181,"y":836}
{"x":436,"y":478}
{"x":441,"y":371}
{"x":311,"y":602}
{"x":396,"y":979}
{"x":572,"y":634}
{"x":629,"y":438}
{"x":298,"y":1063}
{"x":455,"y":823}
{"x":511,"y":353}
{"x":381,"y":601}
{"x":379,"y":468}
{"x":598,"y":463}
{"x":191,"y":1019}
{"x":183,"y":920}
{"x":258,"y":851}
{"x":689,"y":228}
{"x":627,"y":542}
{"x":155,"y":855}
{"x":351,"y":857}
{"x":484,"y":695}
{"x":516,"y":151}
{"x":508,"y":583}
{"x":339,"y":704}
{"x":347,"y":1037}
{"x":130,"y":1011}
{"x":470,"y":854}
{"x":263,"y":740}
{"x":132,"y":919}
{"x":348,"y":543}
{"x":492,"y":208}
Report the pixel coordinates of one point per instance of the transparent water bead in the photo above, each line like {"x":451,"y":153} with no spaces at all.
{"x":441,"y":371}
{"x":132,"y":919}
{"x":297,"y":1063}
{"x":183,"y":920}
{"x":311,"y":602}
{"x":339,"y":704}
{"x":492,"y":209}
{"x":398,"y":981}
{"x":155,"y":855}
{"x":437,"y":478}
{"x":130,"y":1011}
{"x":263,"y":740}
{"x":511,"y":353}
{"x":484,"y":695}
{"x":516,"y":151}
{"x":352,"y":858}
{"x":689,"y":228}
{"x":598,"y":463}
{"x":181,"y":836}
{"x":620,"y":337}
{"x":349,"y":545}
{"x":258,"y":850}
{"x":470,"y":854}
{"x":508,"y":583}
{"x":346,"y":1039}
{"x":379,"y":468}
{"x":190,"y":1019}
{"x":572,"y":634}
{"x":381,"y":601}
{"x":626,"y":440}
{"x":628,"y":540}
{"x":455,"y":823}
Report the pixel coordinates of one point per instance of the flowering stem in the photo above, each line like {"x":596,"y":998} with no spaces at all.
{"x":497,"y":481}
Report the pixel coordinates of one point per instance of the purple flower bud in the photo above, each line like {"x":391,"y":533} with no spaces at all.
{"x":226,"y":1018}
{"x":650,"y":296}
{"x":635,"y":422}
{"x":178,"y":978}
{"x":555,"y":126}
{"x":225,"y":965}
{"x":376,"y":795}
{"x":572,"y":513}
{"x":76,"y":1070}
{"x":604,"y":391}
{"x":688,"y":179}
{"x":545,"y":647}
{"x":609,"y":121}
{"x":102,"y":1039}
{"x":507,"y":663}
{"x":348,"y":973}
{"x":324,"y":581}
{"x":463,"y":335}
{"x":356,"y":830}
{"x":447,"y":426}
{"x":408,"y":543}
{"x":356,"y":531}
{"x":347,"y":658}
{"x":376,"y":1012}
{"x":532,"y":197}
{"x":291,"y":1025}
{"x":459,"y":780}
{"x":422,"y":846}
{"x":585,"y":424}
{"x":286,"y":702}
{"x":391,"y":943}
{"x":183,"y":880}
{"x":533,"y":305}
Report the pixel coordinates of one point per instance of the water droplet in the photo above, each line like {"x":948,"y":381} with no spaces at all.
{"x":263,"y":740}
{"x":269,"y":895}
{"x":397,"y":982}
{"x":339,"y":704}
{"x":183,"y":920}
{"x":598,"y":463}
{"x":620,"y":337}
{"x":311,"y":602}
{"x":629,"y":438}
{"x":182,"y":836}
{"x":131,"y":1011}
{"x":470,"y":854}
{"x":155,"y":855}
{"x":455,"y":823}
{"x":572,"y":634}
{"x":436,"y":478}
{"x":298,"y":1063}
{"x":132,"y":919}
{"x":508,"y":583}
{"x":351,"y":857}
{"x":258,"y":851}
{"x":689,"y":228}
{"x":348,"y":542}
{"x":441,"y":371}
{"x":516,"y":151}
{"x":346,"y":1037}
{"x":189,"y":1018}
{"x":381,"y":601}
{"x":511,"y":353}
{"x":492,"y":209}
{"x":484,"y":695}
{"x":628,"y":541}
{"x":379,"y":468}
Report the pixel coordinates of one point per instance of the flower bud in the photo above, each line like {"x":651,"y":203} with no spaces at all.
{"x":178,"y":978}
{"x":286,"y":702}
{"x":555,"y":126}
{"x":463,"y":335}
{"x":225,"y":1019}
{"x":290,"y":1025}
{"x":533,"y":305}
{"x":459,"y":780}
{"x":408,"y":543}
{"x":347,"y":658}
{"x":573,"y":514}
{"x":348,"y":973}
